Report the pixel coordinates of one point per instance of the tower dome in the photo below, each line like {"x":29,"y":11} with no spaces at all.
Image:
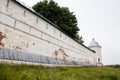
{"x":94,"y":43}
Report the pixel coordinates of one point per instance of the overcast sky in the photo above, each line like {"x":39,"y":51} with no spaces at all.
{"x":99,"y":19}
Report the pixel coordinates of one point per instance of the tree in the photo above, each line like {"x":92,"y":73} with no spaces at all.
{"x":61,"y":16}
{"x":79,"y":38}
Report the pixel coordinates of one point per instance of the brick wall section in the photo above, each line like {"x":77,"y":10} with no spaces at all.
{"x":27,"y":34}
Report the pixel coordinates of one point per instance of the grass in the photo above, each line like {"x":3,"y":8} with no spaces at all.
{"x":30,"y":72}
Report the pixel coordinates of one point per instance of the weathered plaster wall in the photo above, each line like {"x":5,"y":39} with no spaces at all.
{"x":25,"y":36}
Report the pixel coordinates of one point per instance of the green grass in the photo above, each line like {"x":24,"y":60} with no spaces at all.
{"x":30,"y":72}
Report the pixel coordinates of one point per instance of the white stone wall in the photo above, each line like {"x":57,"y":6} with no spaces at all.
{"x":21,"y":30}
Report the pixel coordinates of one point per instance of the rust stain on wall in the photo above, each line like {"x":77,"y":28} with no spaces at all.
{"x":1,"y":38}
{"x":18,"y":47}
{"x":60,"y":50}
{"x":56,"y":54}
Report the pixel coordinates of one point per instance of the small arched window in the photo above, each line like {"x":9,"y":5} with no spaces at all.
{"x":98,"y":59}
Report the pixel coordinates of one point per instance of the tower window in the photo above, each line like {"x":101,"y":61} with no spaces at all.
{"x":98,"y":59}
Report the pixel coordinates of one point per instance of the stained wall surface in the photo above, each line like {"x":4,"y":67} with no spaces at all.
{"x":28,"y":37}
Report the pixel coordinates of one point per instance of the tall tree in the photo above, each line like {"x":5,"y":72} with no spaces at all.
{"x":61,"y":16}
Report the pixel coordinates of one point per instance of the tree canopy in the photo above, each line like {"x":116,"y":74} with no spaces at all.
{"x":61,"y":16}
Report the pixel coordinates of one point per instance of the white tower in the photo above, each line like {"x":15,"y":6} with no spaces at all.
{"x":94,"y":45}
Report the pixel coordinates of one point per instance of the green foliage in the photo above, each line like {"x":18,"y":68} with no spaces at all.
{"x":30,"y":72}
{"x":114,"y":66}
{"x":61,"y":16}
{"x":79,"y":38}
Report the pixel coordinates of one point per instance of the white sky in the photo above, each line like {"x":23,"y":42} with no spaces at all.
{"x":99,"y":19}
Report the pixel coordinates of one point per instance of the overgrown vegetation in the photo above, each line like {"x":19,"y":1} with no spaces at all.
{"x":30,"y":72}
{"x":114,"y":66}
{"x":61,"y":16}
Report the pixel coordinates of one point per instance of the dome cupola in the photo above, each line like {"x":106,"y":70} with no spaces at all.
{"x":94,"y":43}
